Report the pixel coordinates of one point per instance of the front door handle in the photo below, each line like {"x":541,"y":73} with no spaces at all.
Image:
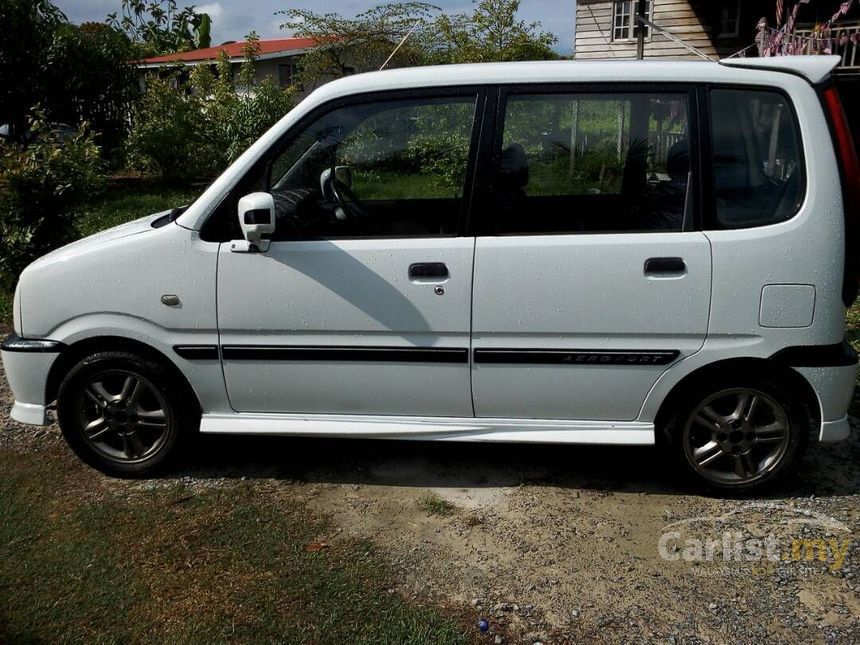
{"x":428,"y":271}
{"x":665,"y":266}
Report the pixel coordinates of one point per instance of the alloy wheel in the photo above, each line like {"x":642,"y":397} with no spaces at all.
{"x":736,"y":436}
{"x":123,"y":416}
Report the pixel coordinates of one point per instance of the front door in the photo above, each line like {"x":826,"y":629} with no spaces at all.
{"x":590,"y":280}
{"x":362,"y":302}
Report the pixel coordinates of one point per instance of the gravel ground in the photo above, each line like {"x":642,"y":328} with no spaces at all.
{"x":559,"y":544}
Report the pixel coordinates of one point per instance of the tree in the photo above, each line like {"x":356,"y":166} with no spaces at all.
{"x":29,"y":27}
{"x":783,"y":41}
{"x":160,"y":27}
{"x":365,"y":42}
{"x":492,"y":32}
{"x":92,"y":78}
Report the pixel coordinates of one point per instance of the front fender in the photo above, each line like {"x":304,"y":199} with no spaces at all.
{"x":105,"y":332}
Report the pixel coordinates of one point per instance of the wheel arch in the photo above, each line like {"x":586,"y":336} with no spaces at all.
{"x":785,"y":376}
{"x":79,"y":350}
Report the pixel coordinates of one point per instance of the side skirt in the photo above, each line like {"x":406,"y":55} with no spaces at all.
{"x":631,"y":433}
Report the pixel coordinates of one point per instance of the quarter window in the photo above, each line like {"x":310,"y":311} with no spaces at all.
{"x":568,"y":163}
{"x":758,"y":167}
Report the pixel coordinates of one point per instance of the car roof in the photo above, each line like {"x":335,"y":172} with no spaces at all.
{"x":814,"y":68}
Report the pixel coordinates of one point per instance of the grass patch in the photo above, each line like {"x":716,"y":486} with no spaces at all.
{"x":121,"y":205}
{"x":852,"y":333}
{"x":6,"y":298}
{"x":80,"y":561}
{"x":432,"y":504}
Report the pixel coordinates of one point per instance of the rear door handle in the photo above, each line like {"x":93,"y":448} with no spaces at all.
{"x":665,"y":266}
{"x":428,"y":271}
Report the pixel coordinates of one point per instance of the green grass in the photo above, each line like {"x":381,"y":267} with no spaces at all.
{"x":392,"y":185}
{"x":432,"y":504}
{"x":82,"y":561}
{"x":5,"y":306}
{"x":120,"y":205}
{"x":852,"y":333}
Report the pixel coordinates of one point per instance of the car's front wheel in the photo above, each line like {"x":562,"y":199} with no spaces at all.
{"x":740,"y":436}
{"x":123,"y":414}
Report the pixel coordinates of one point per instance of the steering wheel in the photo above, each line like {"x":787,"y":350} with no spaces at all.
{"x":347,"y":199}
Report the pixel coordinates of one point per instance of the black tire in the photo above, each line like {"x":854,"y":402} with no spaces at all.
{"x":138,"y":435}
{"x":772,"y":456}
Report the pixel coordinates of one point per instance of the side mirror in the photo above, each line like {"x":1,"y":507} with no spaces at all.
{"x":256,"y":219}
{"x":342,"y":173}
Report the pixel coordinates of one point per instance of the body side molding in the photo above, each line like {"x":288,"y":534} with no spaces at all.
{"x":574,"y":357}
{"x":345,"y":353}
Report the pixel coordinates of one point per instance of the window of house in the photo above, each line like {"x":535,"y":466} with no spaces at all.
{"x":608,"y":162}
{"x":624,"y":25}
{"x":400,"y":167}
{"x":758,"y":168}
{"x":730,"y":18}
{"x":286,"y":75}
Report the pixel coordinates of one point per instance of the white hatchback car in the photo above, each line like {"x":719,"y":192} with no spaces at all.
{"x":609,"y":252}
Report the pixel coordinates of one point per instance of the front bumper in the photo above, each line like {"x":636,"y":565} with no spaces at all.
{"x":27,"y":363}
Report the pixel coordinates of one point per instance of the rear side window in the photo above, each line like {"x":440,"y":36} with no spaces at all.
{"x":611,"y":162}
{"x":757,"y":160}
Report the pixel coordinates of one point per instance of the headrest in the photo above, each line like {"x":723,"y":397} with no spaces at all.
{"x":513,"y":167}
{"x":678,"y":160}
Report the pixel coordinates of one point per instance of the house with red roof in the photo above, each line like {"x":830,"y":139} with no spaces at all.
{"x":277,"y":58}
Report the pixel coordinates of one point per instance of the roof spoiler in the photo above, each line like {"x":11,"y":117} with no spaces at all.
{"x":815,"y":69}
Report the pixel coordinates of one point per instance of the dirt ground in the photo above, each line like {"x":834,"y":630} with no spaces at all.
{"x":558,"y":544}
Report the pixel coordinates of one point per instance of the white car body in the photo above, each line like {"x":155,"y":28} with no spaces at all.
{"x":333,"y":337}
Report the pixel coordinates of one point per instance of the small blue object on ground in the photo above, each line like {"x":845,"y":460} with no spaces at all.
{"x":483,"y":624}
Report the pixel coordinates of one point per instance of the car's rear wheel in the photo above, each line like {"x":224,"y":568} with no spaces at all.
{"x":124,"y":414}
{"x":742,"y":436}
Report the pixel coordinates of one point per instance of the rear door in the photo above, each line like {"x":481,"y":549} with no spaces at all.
{"x":590,"y":276}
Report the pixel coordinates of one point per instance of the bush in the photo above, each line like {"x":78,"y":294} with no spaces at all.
{"x":167,"y":135}
{"x":200,"y":126}
{"x":442,"y":156}
{"x":41,"y":189}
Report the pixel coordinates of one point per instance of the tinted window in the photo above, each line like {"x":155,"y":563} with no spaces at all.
{"x":400,"y":169}
{"x":587,"y":162}
{"x":758,"y":166}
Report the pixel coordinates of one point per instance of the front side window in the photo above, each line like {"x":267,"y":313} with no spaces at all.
{"x":568,"y":163}
{"x":391,"y":168}
{"x":624,"y":24}
{"x":758,"y":166}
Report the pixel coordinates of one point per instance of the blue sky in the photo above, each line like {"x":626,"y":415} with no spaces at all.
{"x":233,"y":19}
